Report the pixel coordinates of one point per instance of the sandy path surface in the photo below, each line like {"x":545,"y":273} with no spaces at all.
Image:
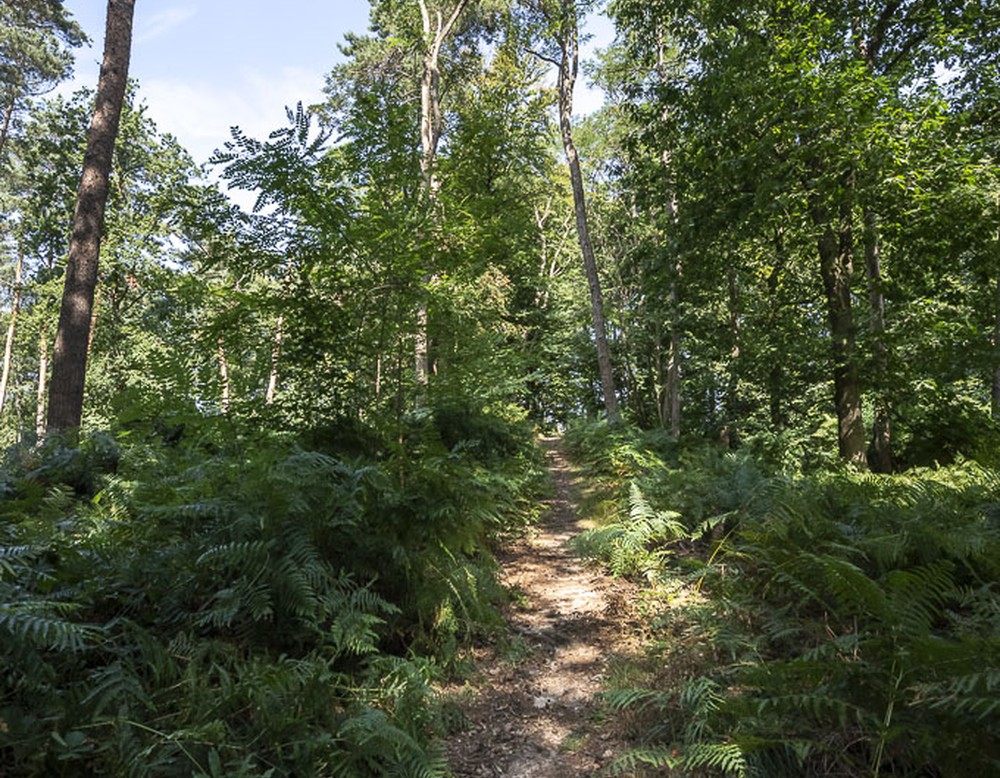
{"x":534,"y":711}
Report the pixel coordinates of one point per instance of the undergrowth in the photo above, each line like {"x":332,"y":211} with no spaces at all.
{"x":222,"y":603}
{"x":823,"y":624}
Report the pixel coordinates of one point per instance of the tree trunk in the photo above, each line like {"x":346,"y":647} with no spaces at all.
{"x":69,"y":364}
{"x":734,"y":406}
{"x":569,"y":44}
{"x":8,"y":350}
{"x":996,"y":356}
{"x":272,"y":376}
{"x":278,"y":340}
{"x":43,"y":371}
{"x":881,"y":458}
{"x":670,"y":409}
{"x":436,"y":29}
{"x":776,"y":374}
{"x":836,"y":267}
{"x":672,"y":391}
{"x":8,"y":114}
{"x":224,"y":388}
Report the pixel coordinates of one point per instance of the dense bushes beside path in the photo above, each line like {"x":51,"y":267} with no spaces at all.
{"x":822,"y":624}
{"x":236,"y":604}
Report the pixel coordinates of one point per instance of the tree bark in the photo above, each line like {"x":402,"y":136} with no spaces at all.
{"x":995,"y":395}
{"x":8,"y":349}
{"x":568,"y":66}
{"x":776,"y":374}
{"x":881,"y":458}
{"x":225,"y":395}
{"x":272,"y":376}
{"x":43,"y":371}
{"x":69,"y":364}
{"x":672,"y":390}
{"x":837,"y":267}
{"x":278,"y":340}
{"x":8,"y":114}
{"x":734,"y":406}
{"x":866,"y":49}
{"x":436,"y":29}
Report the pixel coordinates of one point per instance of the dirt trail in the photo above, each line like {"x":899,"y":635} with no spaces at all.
{"x":531,"y":710}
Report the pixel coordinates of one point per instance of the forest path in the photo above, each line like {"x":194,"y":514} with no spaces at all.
{"x":531,"y":709}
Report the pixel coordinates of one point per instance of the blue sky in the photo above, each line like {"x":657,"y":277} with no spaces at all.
{"x":206,"y":65}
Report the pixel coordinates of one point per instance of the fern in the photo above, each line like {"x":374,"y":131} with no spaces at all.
{"x":726,"y":757}
{"x":850,"y":626}
{"x":635,"y":759}
{"x":36,"y":620}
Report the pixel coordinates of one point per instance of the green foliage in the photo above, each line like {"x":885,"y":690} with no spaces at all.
{"x":823,"y":624}
{"x":635,"y":545}
{"x":230,"y":603}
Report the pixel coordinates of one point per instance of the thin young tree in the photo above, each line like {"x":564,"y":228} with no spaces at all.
{"x":69,"y":363}
{"x":561,"y":29}
{"x":437,"y":24}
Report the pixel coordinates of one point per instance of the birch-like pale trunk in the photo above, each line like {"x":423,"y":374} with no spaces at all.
{"x":569,"y":45}
{"x":437,"y":25}
{"x":278,"y":340}
{"x":672,"y":388}
{"x":272,"y":376}
{"x":225,"y":395}
{"x":670,"y":406}
{"x":8,"y":349}
{"x":43,"y":372}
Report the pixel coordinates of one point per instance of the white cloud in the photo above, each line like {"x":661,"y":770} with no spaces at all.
{"x":200,"y":114}
{"x":163,"y":22}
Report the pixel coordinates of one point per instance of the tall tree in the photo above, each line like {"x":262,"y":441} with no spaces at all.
{"x":69,"y":363}
{"x":35,"y":38}
{"x":561,"y":27}
{"x":438,"y":21}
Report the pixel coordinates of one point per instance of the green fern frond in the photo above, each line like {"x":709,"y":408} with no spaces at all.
{"x":13,"y":559}
{"x":113,"y":686}
{"x":34,"y":621}
{"x":727,"y":757}
{"x":638,"y":698}
{"x":238,"y":555}
{"x":641,"y":758}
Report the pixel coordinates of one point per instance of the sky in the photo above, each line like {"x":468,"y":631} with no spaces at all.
{"x":204,"y":66}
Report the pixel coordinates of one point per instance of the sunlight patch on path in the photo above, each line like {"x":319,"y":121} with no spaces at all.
{"x":538,"y":715}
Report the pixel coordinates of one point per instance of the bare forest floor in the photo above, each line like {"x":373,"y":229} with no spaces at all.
{"x":531,"y":707}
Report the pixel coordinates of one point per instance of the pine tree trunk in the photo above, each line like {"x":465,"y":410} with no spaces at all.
{"x":8,"y":350}
{"x":569,"y":43}
{"x":69,"y":364}
{"x":8,"y":114}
